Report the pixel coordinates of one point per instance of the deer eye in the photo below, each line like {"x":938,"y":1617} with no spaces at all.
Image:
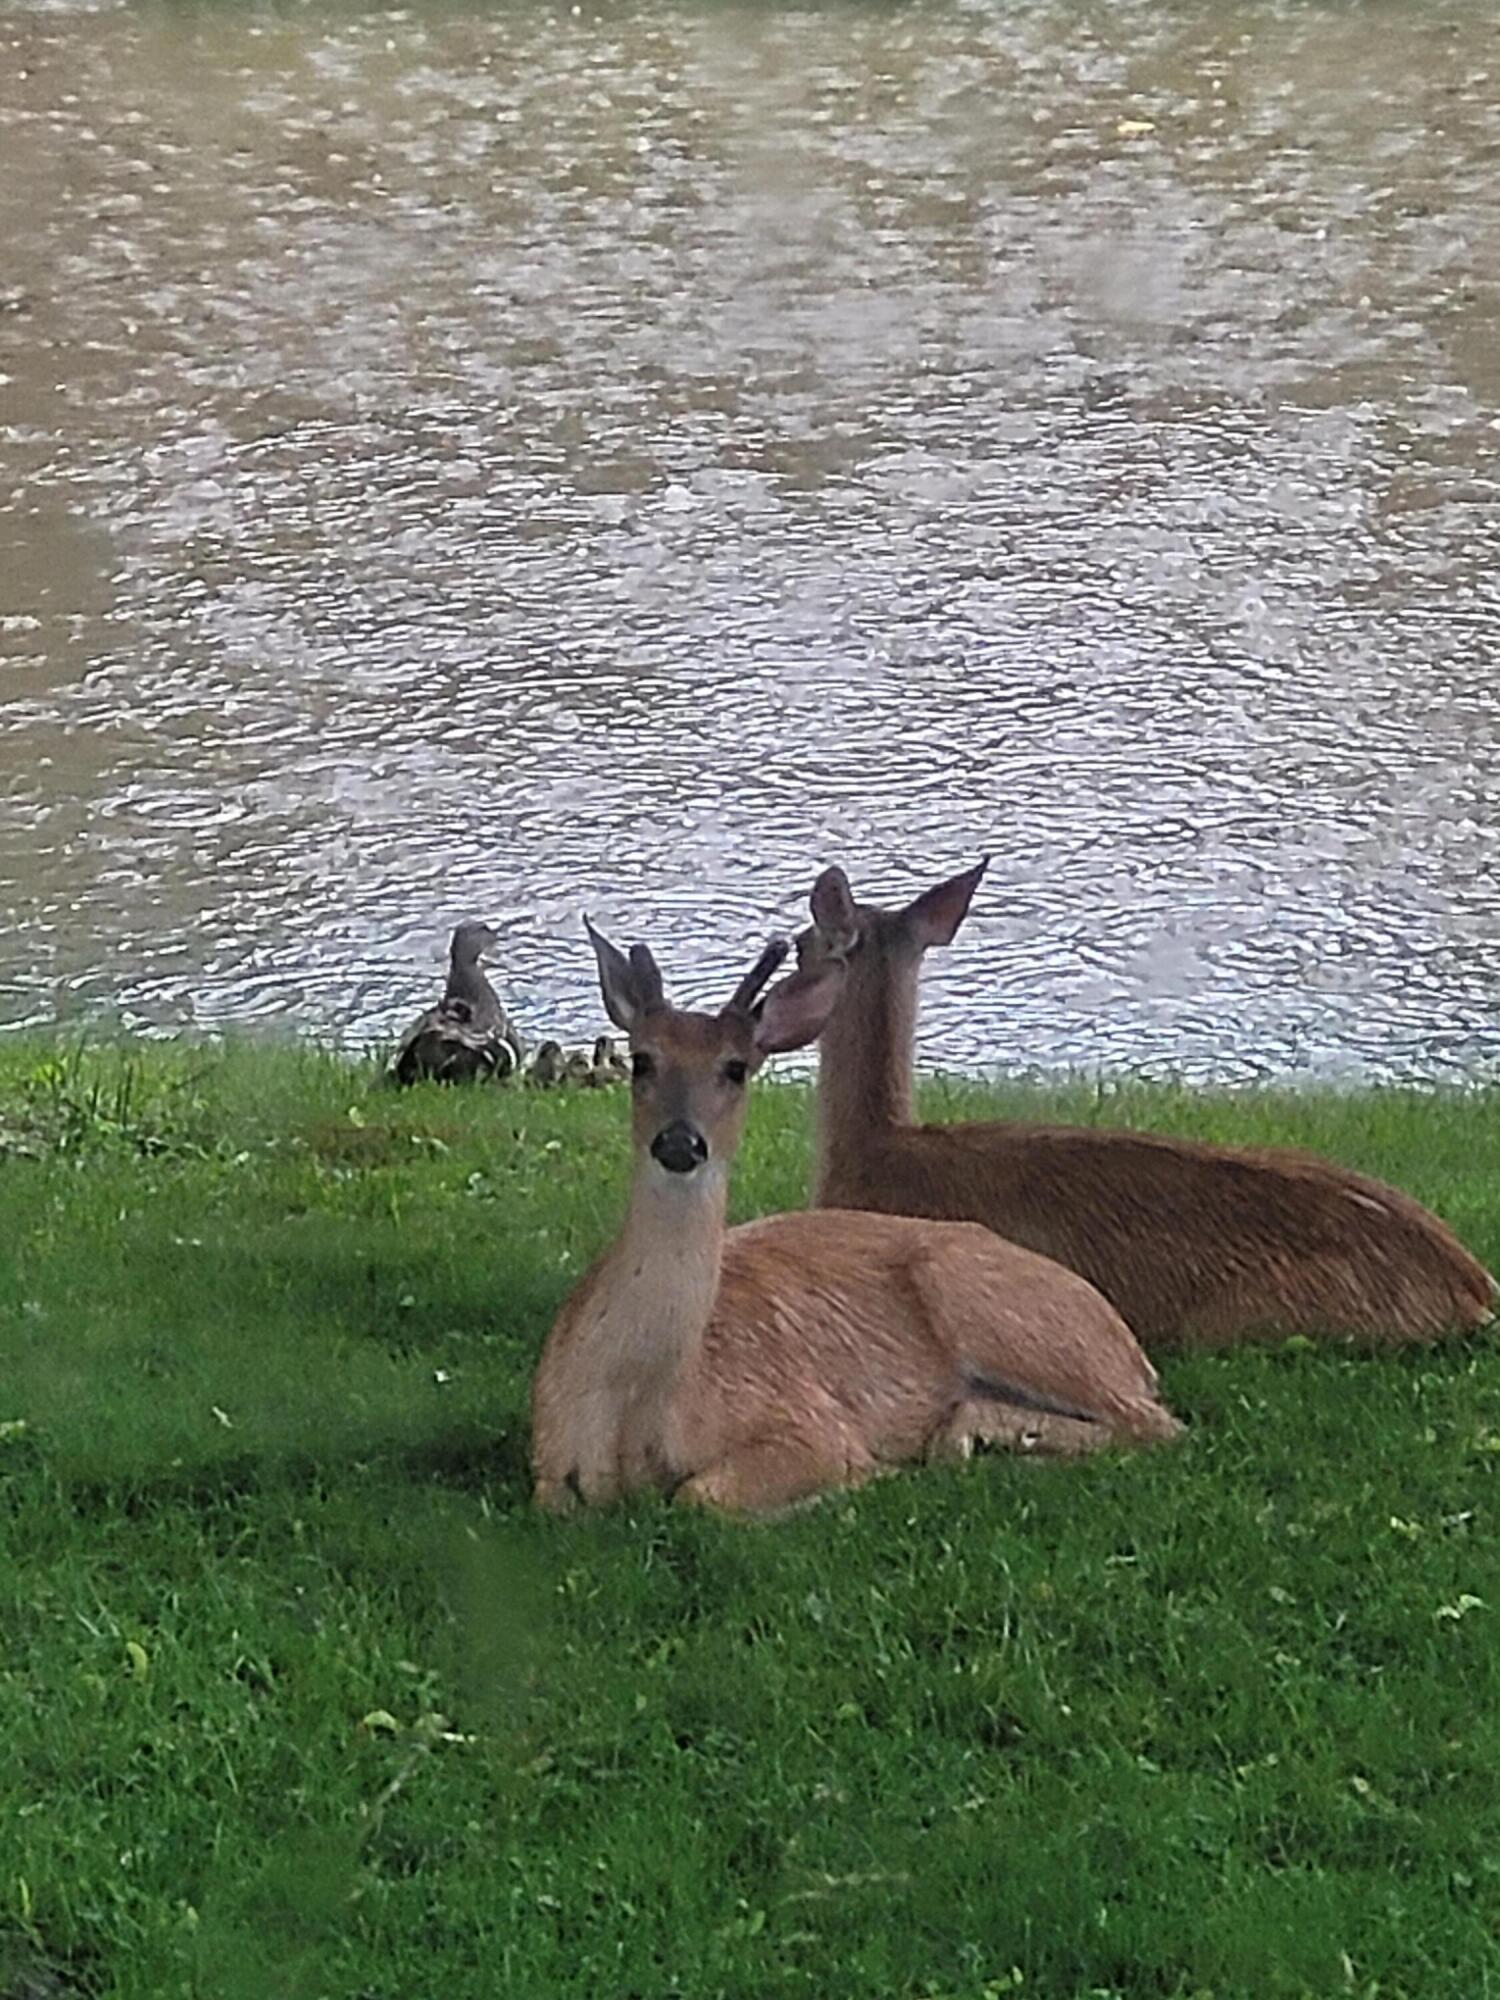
{"x":642,"y":1065}
{"x":735,"y":1071}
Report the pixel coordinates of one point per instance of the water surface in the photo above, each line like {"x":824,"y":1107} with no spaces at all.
{"x":499,"y":463}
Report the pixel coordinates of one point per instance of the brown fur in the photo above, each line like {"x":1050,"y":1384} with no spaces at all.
{"x":1192,"y":1243}
{"x":753,"y":1367}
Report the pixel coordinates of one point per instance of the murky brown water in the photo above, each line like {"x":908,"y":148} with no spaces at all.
{"x":627,"y":456}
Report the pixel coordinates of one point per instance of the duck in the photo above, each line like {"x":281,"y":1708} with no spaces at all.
{"x":607,"y":1068}
{"x":467,"y":1037}
{"x":546,"y":1066}
{"x":577,"y":1068}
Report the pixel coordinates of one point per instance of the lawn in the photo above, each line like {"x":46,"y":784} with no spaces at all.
{"x":299,"y":1699}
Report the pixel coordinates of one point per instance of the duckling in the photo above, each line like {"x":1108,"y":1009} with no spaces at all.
{"x":546,"y":1066}
{"x":607,"y":1068}
{"x":467,"y":1037}
{"x":577,"y":1069}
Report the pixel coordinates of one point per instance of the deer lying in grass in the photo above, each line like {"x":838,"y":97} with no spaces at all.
{"x":752,"y":1367}
{"x":1192,"y":1243}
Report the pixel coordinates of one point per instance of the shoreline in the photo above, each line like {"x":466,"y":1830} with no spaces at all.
{"x":73,"y":1040}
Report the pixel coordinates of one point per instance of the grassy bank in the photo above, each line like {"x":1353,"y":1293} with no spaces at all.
{"x":298,"y":1699}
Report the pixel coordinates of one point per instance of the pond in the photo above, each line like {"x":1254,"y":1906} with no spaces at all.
{"x":508,"y":461}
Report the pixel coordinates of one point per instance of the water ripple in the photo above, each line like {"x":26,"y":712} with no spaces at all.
{"x":456,"y":467}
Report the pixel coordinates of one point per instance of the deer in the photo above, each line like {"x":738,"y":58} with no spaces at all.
{"x":751,"y":1369}
{"x":1194,"y":1245}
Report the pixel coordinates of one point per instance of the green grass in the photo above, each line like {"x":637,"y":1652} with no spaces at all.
{"x":298,"y":1699}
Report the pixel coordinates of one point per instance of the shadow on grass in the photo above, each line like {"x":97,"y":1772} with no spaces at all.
{"x":402,"y":1293}
{"x":27,"y":1972}
{"x":468,"y":1459}
{"x":1216,"y":1395}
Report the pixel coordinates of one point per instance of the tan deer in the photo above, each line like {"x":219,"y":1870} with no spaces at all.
{"x":750,"y":1368}
{"x":1192,"y":1243}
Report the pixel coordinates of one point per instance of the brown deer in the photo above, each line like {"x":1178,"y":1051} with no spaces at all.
{"x":753,"y":1367}
{"x":1193,"y":1244}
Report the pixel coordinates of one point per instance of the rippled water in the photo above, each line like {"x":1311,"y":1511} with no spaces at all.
{"x":496,"y":464}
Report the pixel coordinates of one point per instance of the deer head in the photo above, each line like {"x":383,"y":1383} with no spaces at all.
{"x":689,"y":1071}
{"x":842,"y":929}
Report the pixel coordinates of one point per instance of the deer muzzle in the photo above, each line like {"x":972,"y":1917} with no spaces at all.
{"x":679,"y":1147}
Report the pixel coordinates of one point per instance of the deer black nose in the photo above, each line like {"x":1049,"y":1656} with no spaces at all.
{"x":679,"y":1147}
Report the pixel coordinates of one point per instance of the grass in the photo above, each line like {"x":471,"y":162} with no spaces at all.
{"x":299,"y":1699}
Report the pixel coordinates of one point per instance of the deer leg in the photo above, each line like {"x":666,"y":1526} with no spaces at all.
{"x":768,"y":1473}
{"x":1036,"y":1433}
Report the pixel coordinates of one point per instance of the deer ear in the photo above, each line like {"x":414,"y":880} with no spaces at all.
{"x":936,"y":914}
{"x":832,"y":903}
{"x":795,"y":1012}
{"x":647,"y":975}
{"x":623,"y":983}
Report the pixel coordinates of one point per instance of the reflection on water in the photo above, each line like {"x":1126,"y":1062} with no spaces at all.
{"x":626,"y":457}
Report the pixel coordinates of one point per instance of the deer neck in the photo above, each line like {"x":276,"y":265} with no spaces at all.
{"x":865,"y":1054}
{"x":663,"y":1273}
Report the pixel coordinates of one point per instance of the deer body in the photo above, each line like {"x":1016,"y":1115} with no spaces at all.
{"x":1192,"y":1243}
{"x":752,"y":1367}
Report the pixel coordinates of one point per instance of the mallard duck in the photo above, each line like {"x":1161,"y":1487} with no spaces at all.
{"x":607,"y":1068}
{"x":467,"y":1037}
{"x":546,"y":1066}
